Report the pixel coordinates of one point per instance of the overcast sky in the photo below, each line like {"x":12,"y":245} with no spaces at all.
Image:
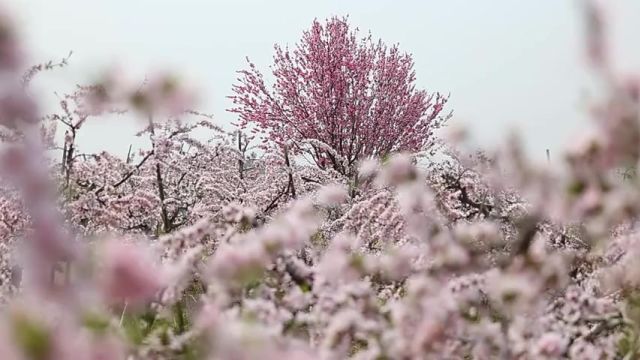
{"x":507,"y":64}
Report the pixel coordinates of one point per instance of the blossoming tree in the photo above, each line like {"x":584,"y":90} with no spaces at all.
{"x":339,"y":98}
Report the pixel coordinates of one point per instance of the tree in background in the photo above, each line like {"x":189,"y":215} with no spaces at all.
{"x":339,"y":98}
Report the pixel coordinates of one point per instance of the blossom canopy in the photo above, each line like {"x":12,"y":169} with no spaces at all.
{"x":339,"y":98}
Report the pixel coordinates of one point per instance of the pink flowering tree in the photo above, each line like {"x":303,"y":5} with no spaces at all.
{"x":339,"y":98}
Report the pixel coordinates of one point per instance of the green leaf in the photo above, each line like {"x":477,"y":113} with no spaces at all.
{"x":96,"y":322}
{"x":305,"y":287}
{"x":32,"y":338}
{"x":576,"y":187}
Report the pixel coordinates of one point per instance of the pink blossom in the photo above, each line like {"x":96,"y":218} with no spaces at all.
{"x":129,"y":273}
{"x":551,"y":345}
{"x":332,"y":195}
{"x":11,"y":52}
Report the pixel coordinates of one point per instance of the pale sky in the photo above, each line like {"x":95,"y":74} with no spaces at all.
{"x":507,"y":64}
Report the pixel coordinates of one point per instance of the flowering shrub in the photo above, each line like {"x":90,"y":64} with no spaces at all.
{"x":194,"y":249}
